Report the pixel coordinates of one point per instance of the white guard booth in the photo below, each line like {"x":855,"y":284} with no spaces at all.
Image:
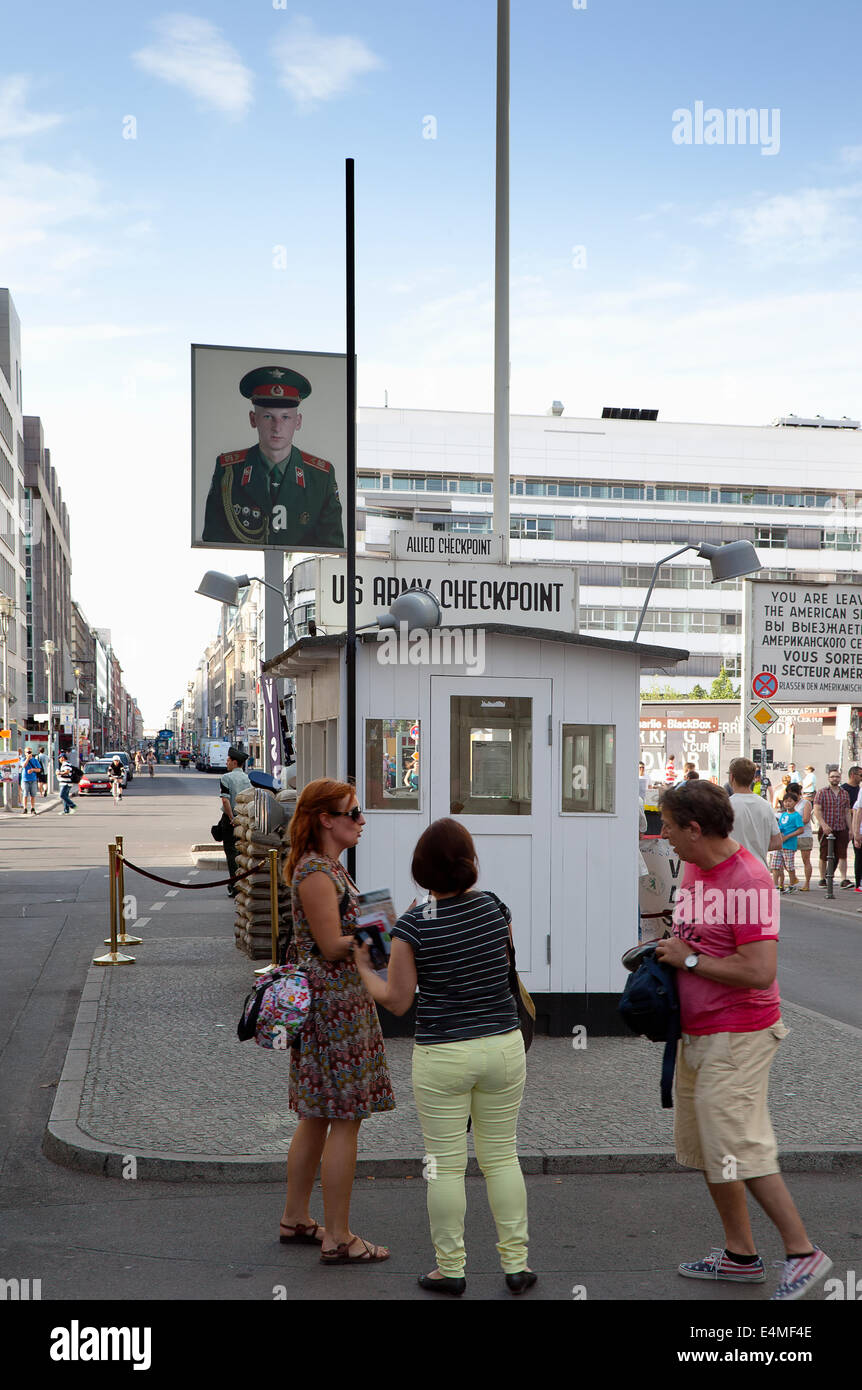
{"x":533,"y":743}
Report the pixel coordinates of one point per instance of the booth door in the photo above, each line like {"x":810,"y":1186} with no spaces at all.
{"x":490,"y":767}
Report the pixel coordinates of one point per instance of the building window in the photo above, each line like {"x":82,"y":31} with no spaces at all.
{"x":392,"y":764}
{"x":532,"y":528}
{"x":490,"y":755}
{"x":771,"y":537}
{"x":589,"y":768}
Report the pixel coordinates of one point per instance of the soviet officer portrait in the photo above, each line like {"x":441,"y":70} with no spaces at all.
{"x":273,"y":493}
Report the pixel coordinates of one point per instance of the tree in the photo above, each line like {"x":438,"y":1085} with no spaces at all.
{"x":697,"y":692}
{"x":722,"y":687}
{"x":662,"y":692}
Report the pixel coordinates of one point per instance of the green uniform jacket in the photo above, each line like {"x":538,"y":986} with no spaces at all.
{"x":304,"y":514}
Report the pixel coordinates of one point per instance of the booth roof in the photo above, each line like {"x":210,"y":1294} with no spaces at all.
{"x":312,"y":652}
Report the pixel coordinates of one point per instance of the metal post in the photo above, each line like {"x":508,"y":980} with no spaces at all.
{"x":123,"y":938}
{"x":113,"y":957}
{"x":501,"y":287}
{"x":273,"y":627}
{"x":4,"y":634}
{"x":830,"y":864}
{"x":763,"y":763}
{"x":50,"y":724}
{"x":350,"y":522}
{"x":273,"y":911}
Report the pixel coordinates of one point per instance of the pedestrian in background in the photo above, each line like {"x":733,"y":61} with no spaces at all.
{"x":809,"y":782}
{"x":64,"y":774}
{"x":832,"y":808}
{"x":780,"y":793}
{"x":151,"y":761}
{"x":754,"y":823}
{"x":30,"y":780}
{"x":670,"y":770}
{"x":234,"y":781}
{"x":805,"y":842}
{"x":790,"y":823}
{"x":468,"y":1056}
{"x":730,"y":1013}
{"x":851,"y":786}
{"x":338,"y":1071}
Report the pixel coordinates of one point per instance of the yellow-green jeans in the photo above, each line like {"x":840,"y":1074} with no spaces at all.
{"x":482,"y":1077}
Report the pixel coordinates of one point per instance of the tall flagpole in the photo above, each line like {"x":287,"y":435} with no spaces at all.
{"x":501,"y":287}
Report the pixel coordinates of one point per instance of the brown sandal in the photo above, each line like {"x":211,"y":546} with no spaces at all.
{"x":371,"y":1254}
{"x":302,"y":1235}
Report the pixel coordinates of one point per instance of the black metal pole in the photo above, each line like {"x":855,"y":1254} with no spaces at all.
{"x":350,"y":536}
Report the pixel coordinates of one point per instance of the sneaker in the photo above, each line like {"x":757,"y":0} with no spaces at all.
{"x":846,"y":883}
{"x":801,"y":1274}
{"x":717,"y":1265}
{"x":822,"y":882}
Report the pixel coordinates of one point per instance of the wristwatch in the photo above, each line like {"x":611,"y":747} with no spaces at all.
{"x":691,"y":961}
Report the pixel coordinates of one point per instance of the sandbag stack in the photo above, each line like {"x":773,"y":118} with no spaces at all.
{"x":253,"y":927}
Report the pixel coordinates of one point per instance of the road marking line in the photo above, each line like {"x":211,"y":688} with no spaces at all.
{"x":185,"y":880}
{"x":192,"y":872}
{"x":172,"y":892}
{"x":141,"y":922}
{"x":155,"y":907}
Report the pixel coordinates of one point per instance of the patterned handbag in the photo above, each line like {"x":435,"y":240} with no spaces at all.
{"x":276,"y":1009}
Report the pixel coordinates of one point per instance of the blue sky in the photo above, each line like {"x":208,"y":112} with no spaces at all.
{"x":716,"y":281}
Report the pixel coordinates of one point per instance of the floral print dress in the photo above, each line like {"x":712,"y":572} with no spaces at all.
{"x":339,"y":1070}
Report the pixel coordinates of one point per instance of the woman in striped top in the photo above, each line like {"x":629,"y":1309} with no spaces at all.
{"x":468,"y":1058}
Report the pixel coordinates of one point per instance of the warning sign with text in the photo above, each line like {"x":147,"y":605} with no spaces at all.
{"x":809,"y":636}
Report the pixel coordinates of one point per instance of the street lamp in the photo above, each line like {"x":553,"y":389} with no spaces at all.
{"x":7,"y":613}
{"x":729,"y":561}
{"x":225,"y":588}
{"x":49,"y":648}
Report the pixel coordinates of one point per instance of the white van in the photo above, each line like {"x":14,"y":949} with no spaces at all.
{"x":215,"y":755}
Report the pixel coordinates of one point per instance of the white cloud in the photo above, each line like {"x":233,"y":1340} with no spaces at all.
{"x":14,"y":120}
{"x":851,"y":154}
{"x":806,"y":227}
{"x":192,"y":54}
{"x":315,"y":67}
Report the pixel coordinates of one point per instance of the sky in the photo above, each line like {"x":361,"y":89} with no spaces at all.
{"x":176,"y":175}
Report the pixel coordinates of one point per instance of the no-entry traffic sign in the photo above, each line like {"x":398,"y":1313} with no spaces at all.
{"x":764,"y":685}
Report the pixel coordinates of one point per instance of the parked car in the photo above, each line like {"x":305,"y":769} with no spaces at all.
{"x":95,"y":778}
{"x":125,"y":760}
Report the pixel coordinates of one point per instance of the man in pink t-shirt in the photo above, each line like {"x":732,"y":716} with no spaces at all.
{"x":725,"y":949}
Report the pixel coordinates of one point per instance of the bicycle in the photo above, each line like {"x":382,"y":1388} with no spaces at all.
{"x":117,"y":789}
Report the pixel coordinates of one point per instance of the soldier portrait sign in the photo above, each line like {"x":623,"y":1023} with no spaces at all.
{"x":268,"y":449}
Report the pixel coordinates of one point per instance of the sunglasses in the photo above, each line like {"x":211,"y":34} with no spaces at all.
{"x":354,"y":813}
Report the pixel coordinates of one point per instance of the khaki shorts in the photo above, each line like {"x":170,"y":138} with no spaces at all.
{"x":721,"y":1115}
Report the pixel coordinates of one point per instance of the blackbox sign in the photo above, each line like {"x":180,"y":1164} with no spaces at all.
{"x":524,"y":595}
{"x":809,"y":636}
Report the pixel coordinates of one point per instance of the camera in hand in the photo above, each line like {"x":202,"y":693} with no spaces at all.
{"x":378,"y":940}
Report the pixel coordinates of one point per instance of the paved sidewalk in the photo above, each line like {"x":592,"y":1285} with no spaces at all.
{"x":155,"y":1070}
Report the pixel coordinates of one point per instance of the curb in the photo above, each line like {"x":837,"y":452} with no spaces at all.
{"x":66,"y":1144}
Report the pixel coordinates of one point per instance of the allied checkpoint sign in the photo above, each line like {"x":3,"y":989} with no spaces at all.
{"x":809,"y":637}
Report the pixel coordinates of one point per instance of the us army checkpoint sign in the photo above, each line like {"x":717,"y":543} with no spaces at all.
{"x":269,"y":463}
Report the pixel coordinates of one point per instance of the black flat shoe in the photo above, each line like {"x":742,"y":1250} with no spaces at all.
{"x":517,"y":1283}
{"x":453,"y":1286}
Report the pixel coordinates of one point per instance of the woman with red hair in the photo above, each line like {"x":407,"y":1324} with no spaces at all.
{"x":338,"y":1071}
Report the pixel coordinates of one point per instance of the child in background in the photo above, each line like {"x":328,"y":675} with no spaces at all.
{"x":790,"y":823}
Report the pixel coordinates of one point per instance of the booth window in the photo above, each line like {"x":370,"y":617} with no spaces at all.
{"x":589,"y":767}
{"x":392,"y":764}
{"x":490,"y":755}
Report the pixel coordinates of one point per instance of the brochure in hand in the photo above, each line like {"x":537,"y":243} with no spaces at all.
{"x":375,"y":918}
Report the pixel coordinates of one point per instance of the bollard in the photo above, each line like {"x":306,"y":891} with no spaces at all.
{"x":830,"y":864}
{"x":273,"y":910}
{"x":123,"y":939}
{"x":113,"y":957}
